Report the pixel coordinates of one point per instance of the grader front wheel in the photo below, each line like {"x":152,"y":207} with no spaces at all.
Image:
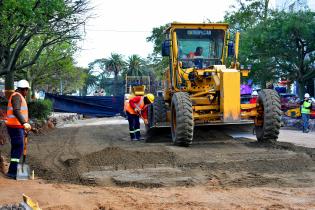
{"x":267,"y":123}
{"x":182,"y":124}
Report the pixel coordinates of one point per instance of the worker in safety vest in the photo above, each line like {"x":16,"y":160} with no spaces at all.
{"x":137,"y":107}
{"x":254,"y":97}
{"x":17,"y":124}
{"x":306,"y":106}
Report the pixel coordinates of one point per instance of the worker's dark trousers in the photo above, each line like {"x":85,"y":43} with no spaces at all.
{"x":17,"y":144}
{"x":134,"y":126}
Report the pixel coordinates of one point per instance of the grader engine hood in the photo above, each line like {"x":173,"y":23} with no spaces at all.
{"x":230,"y":95}
{"x":206,"y":82}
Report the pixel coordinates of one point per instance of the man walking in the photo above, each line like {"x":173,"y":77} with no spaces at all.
{"x":306,"y":106}
{"x":137,"y":107}
{"x":17,"y":124}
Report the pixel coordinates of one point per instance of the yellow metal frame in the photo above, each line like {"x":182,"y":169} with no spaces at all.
{"x":215,"y":97}
{"x":32,"y":204}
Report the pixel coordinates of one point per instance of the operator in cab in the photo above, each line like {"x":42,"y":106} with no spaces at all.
{"x":197,"y":57}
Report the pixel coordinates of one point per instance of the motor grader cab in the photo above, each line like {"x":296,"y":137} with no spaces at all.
{"x":201,"y":90}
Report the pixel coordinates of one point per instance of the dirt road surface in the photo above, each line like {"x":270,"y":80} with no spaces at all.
{"x":92,"y":165}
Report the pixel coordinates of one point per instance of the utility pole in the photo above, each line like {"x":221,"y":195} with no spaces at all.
{"x":61,"y":87}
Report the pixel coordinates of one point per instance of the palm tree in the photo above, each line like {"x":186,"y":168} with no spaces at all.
{"x":115,"y":64}
{"x":135,"y":66}
{"x":90,"y":81}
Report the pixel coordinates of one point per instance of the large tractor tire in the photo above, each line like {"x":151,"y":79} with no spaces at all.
{"x":182,"y":123}
{"x":150,"y":117}
{"x":267,"y":123}
{"x":157,"y":113}
{"x":159,"y":110}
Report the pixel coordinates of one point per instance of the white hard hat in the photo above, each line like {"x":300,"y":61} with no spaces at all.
{"x":23,"y":84}
{"x":306,"y":95}
{"x":127,"y":96}
{"x":254,"y":93}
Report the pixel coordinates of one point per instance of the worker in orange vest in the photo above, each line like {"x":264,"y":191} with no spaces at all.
{"x":17,"y":124}
{"x":137,"y":107}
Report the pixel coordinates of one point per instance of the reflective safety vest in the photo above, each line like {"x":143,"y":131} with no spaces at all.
{"x":140,"y":105}
{"x":12,"y":121}
{"x":305,"y":107}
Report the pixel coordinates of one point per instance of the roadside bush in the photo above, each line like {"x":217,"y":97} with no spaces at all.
{"x":40,"y":109}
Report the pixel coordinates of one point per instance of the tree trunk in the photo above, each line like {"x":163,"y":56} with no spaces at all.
{"x":83,"y":91}
{"x":301,"y":88}
{"x":9,"y":84}
{"x":115,"y":84}
{"x":31,"y":93}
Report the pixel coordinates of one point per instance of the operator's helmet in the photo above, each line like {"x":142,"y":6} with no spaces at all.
{"x":23,"y":84}
{"x":150,"y":97}
{"x":254,"y":93}
{"x":306,"y":95}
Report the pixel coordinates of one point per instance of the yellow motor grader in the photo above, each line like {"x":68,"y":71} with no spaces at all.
{"x":200,"y":89}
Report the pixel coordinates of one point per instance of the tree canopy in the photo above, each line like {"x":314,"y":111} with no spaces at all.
{"x":277,"y":43}
{"x":40,"y":23}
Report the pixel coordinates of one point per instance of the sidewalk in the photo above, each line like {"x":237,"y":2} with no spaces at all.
{"x":297,"y":137}
{"x":286,"y":135}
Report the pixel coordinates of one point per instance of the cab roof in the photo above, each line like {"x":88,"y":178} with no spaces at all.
{"x":223,"y":26}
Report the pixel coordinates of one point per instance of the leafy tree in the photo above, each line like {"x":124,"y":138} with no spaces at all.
{"x":276,"y":43}
{"x":156,"y":62}
{"x":288,"y":45}
{"x":157,"y":37}
{"x":247,"y":14}
{"x":157,"y":65}
{"x":48,"y":21}
{"x":107,"y":83}
{"x":64,"y":78}
{"x":136,"y":66}
{"x":111,"y":66}
{"x":90,"y":80}
{"x":54,"y":67}
{"x":115,"y":64}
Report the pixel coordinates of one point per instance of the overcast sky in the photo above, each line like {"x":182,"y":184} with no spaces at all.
{"x":121,"y":26}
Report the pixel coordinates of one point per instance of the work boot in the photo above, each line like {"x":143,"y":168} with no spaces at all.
{"x":10,"y":176}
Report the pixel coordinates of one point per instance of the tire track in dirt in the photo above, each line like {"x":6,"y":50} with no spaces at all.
{"x":75,"y":152}
{"x":63,"y":153}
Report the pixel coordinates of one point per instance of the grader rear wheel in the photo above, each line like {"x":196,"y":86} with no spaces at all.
{"x":157,"y":114}
{"x":267,"y":123}
{"x":159,"y":110}
{"x":182,"y":124}
{"x":150,"y":117}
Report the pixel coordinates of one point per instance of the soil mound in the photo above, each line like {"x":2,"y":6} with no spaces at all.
{"x":116,"y":157}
